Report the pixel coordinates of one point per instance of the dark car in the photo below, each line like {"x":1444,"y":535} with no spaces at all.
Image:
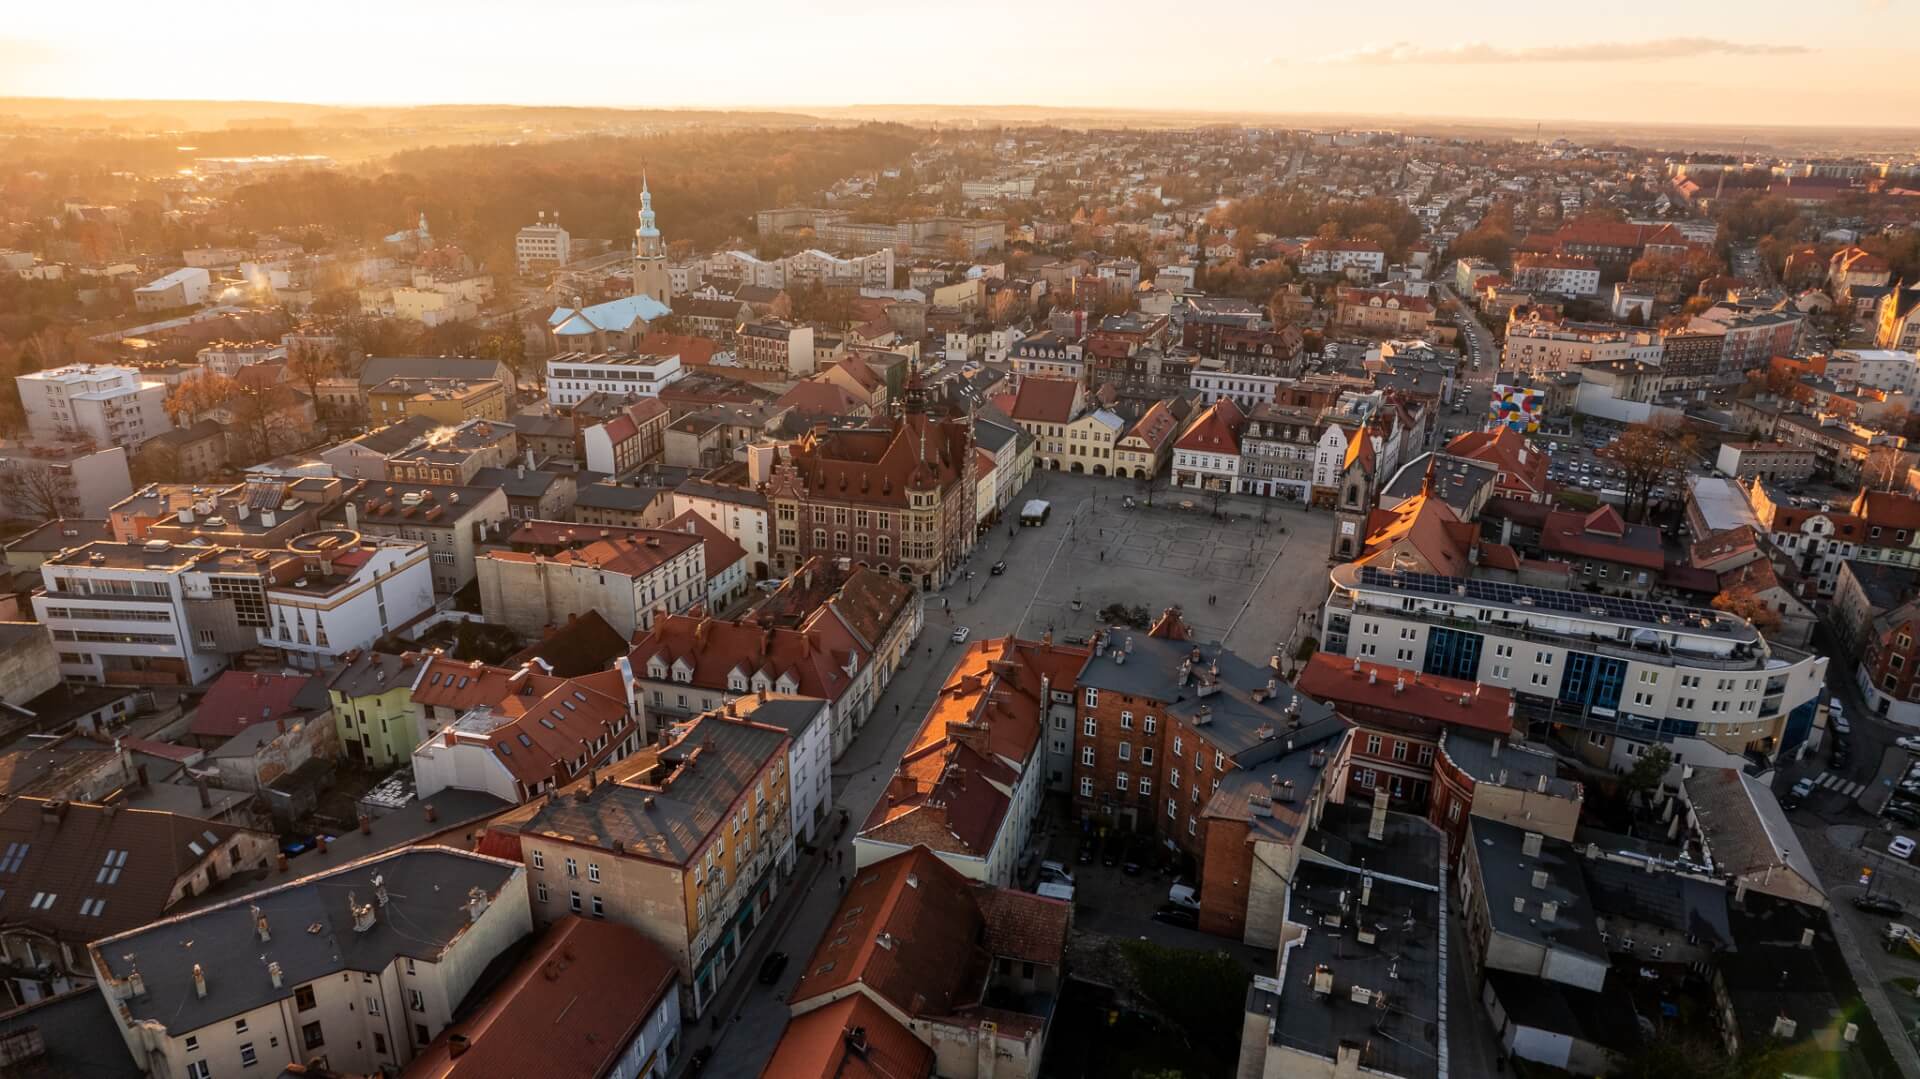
{"x":1180,"y":916}
{"x":1136,"y":859}
{"x":1089,"y":850}
{"x":1879,"y":904}
{"x":997,"y":568}
{"x":771,"y":967}
{"x":1839,"y":758}
{"x":698,"y":1061}
{"x":1110,"y":850}
{"x":1905,"y":814}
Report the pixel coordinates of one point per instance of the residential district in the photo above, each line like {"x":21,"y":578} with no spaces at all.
{"x":1223,"y":602}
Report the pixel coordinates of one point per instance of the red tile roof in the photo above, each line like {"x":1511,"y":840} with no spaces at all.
{"x":634,"y":554}
{"x":1216,"y":431}
{"x":816,"y":1045}
{"x":821,"y":399}
{"x":693,"y":351}
{"x":1424,"y":530}
{"x":1155,"y":427}
{"x":570,"y":1007}
{"x":1523,"y":468}
{"x":815,"y":658}
{"x":1604,"y":536}
{"x":239,"y":699}
{"x":1339,"y":681}
{"x":1046,"y":400}
{"x":721,"y":551}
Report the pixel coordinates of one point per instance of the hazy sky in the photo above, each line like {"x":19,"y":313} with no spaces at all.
{"x":1715,"y":61}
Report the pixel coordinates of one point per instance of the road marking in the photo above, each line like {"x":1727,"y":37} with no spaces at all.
{"x":1848,"y":787}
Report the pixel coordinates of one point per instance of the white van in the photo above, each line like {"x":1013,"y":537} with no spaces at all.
{"x":1183,"y":895}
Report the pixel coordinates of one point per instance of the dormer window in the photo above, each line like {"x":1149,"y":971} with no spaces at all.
{"x":737,"y":684}
{"x":656,"y":669}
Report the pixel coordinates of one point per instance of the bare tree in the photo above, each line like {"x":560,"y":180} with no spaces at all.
{"x":36,"y":492}
{"x":1885,"y":465}
{"x":1648,"y":456}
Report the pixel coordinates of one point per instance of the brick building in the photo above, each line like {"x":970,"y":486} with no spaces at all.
{"x":897,"y":497}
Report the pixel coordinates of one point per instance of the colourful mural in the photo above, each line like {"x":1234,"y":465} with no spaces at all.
{"x":1517,"y":407}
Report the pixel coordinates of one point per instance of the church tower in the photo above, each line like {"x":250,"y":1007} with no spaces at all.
{"x":650,"y":254}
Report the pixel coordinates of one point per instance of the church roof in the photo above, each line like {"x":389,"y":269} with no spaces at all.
{"x":614,"y":316}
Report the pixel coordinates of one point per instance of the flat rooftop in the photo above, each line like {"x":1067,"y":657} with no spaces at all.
{"x":1366,"y":969}
{"x":1551,"y":602}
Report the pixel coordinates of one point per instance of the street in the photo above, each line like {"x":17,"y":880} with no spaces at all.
{"x":1238,"y":580}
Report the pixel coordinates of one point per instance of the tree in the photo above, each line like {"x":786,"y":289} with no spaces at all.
{"x":1742,"y":600}
{"x":308,"y":366}
{"x":510,"y":348}
{"x":1650,"y":455}
{"x":1649,"y":769}
{"x":1884,"y":467}
{"x":35,"y":492}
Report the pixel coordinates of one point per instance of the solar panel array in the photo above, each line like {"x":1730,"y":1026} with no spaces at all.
{"x":1582,"y":604}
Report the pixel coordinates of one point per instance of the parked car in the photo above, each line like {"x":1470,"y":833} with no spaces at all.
{"x":1182,"y":894}
{"x":997,"y":568}
{"x":1837,"y":716}
{"x":1841,"y":755}
{"x":1184,"y":917}
{"x":772,"y":967}
{"x":960,"y":634}
{"x":1055,"y":871}
{"x":1879,"y":904}
{"x":1136,"y":858}
{"x":1908,"y":742}
{"x":1904,"y":813}
{"x":1803,"y":788}
{"x":1900,"y":847}
{"x":1089,"y":850}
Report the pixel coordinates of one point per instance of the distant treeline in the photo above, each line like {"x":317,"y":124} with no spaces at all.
{"x":706,"y":185}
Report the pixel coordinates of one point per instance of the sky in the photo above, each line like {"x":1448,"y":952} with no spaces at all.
{"x":1850,"y":62}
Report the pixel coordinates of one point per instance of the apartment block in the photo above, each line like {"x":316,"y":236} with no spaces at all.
{"x":111,"y":406}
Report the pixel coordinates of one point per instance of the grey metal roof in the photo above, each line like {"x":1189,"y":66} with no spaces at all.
{"x":614,"y":496}
{"x":1505,"y":762}
{"x":685,"y":808}
{"x":1683,"y":904}
{"x":79,"y":1036}
{"x":515,"y":483}
{"x":312,"y":934}
{"x":1249,"y":731}
{"x":722,"y":492}
{"x":379,"y":369}
{"x":372,"y":673}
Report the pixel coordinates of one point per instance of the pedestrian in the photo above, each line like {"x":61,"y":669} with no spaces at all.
{"x":843,"y":882}
{"x":840,"y":858}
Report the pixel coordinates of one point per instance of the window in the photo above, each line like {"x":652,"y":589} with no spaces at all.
{"x":1191,"y":828}
{"x":573,"y":868}
{"x":373,"y":1004}
{"x":1146,"y":785}
{"x":1126,"y":751}
{"x":1173,"y":811}
{"x":1399,"y":750}
{"x":1176,"y":745}
{"x":248,"y":1058}
{"x":599,"y":908}
{"x":380,"y":1043}
{"x":303,"y":998}
{"x":197,"y":1069}
{"x":1120,"y":780}
{"x":593,"y":872}
{"x":239,"y":1026}
{"x":1086,"y":756}
{"x":1373,"y":745}
{"x":1086,"y":786}
{"x":540,"y":889}
{"x":1093,"y":698}
{"x":420,"y":1034}
{"x":1146,"y":754}
{"x":416,"y":1001}
{"x":1126,"y":721}
{"x":1149,"y":725}
{"x":1425,"y":756}
{"x":1091,"y":727}
{"x":192,"y":1044}
{"x":310,"y":1034}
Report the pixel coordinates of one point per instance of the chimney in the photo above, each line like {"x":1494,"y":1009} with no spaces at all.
{"x":1541,"y":786}
{"x":353,"y":516}
{"x":260,"y":924}
{"x":273,"y":971}
{"x":477,"y":902}
{"x":362,"y":914}
{"x":136,"y":983}
{"x":206,"y":799}
{"x":1530,"y":846}
{"x":1519,"y":904}
{"x":456,"y":1045}
{"x":1495,"y":751}
{"x":1539,"y":878}
{"x":199,"y":982}
{"x":1366,"y":889}
{"x":1806,"y":937}
{"x":379,"y":890}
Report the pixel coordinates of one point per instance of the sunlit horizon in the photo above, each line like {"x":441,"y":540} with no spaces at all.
{"x":1751,"y":64}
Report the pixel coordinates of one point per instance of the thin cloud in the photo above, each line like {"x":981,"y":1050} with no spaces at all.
{"x":1668,"y":48}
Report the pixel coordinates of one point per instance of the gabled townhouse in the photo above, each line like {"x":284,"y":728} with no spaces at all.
{"x":738,"y":509}
{"x":360,"y":965}
{"x":539,"y":734}
{"x":690,"y":847}
{"x":76,"y":871}
{"x":1522,"y":468}
{"x":372,"y":698}
{"x":615,"y":989}
{"x":1146,"y":448}
{"x":970,"y":783}
{"x":686,"y":665}
{"x":1606,"y":553}
{"x":924,"y":972}
{"x":1206,"y":456}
